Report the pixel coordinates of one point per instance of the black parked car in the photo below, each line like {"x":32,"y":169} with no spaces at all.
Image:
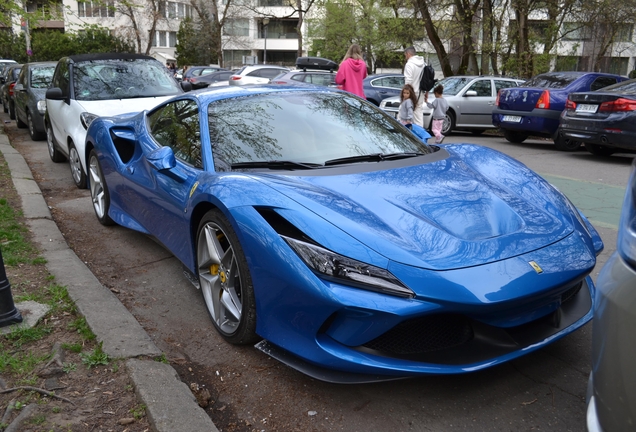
{"x":604,"y":120}
{"x":29,"y":97}
{"x":7,"y":82}
{"x":221,"y":77}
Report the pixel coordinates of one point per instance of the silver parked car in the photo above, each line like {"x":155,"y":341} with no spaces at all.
{"x":470,"y":100}
{"x":256,"y":74}
{"x":611,"y":391}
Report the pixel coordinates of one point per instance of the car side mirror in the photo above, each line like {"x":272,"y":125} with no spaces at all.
{"x":186,"y":86}
{"x":470,"y":93}
{"x":55,"y":93}
{"x":162,"y":158}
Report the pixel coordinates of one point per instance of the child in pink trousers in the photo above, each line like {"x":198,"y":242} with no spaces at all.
{"x":439,"y":106}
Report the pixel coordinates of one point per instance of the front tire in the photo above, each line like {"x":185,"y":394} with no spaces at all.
{"x":515,"y":137}
{"x":76,"y":167}
{"x":99,"y":190}
{"x":449,"y":123}
{"x":225,"y":280}
{"x":55,"y":155}
{"x":19,"y":122}
{"x":35,"y":135}
{"x":598,"y":150}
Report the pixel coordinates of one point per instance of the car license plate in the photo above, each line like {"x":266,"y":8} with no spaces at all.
{"x":586,"y":108}
{"x":513,"y":119}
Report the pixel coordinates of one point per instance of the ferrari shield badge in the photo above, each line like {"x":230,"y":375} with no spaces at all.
{"x":536,"y":267}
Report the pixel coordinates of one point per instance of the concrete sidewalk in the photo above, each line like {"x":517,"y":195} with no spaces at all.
{"x":170,"y":405}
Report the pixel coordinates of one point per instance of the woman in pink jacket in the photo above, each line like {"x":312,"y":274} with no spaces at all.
{"x":352,"y":71}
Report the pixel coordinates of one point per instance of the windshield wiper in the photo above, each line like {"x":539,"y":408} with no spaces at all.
{"x":276,"y":164}
{"x":374,"y":157}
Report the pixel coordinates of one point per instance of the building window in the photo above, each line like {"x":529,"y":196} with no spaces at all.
{"x":164,"y":39}
{"x":236,"y":27}
{"x":175,"y":10}
{"x":96,"y":9}
{"x":279,"y":29}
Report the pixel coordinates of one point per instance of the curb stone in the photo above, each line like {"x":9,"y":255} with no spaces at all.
{"x":169,"y":403}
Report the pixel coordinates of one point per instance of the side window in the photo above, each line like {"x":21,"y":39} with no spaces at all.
{"x":601,"y":82}
{"x":61,"y":78}
{"x":22,"y":77}
{"x":321,"y":79}
{"x":299,"y":77}
{"x":500,"y":84}
{"x":482,"y":87}
{"x":176,"y":125}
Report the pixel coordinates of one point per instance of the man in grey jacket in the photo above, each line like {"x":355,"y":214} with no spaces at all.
{"x":412,"y":75}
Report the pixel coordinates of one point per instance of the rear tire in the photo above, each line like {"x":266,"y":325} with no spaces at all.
{"x":76,"y":167}
{"x":598,"y":150}
{"x":11,"y":111}
{"x":449,"y":123}
{"x":55,"y":155}
{"x":563,"y":143}
{"x":99,"y":190}
{"x":514,"y":136}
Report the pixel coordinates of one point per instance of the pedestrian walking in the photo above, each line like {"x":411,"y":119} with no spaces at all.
{"x":408,"y":100}
{"x":413,"y":70}
{"x":439,"y":106}
{"x":352,"y":71}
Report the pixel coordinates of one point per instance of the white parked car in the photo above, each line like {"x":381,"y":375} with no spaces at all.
{"x":88,"y":86}
{"x":256,"y":74}
{"x":471,"y":100}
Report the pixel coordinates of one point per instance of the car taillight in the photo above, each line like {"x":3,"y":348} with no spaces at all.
{"x":620,"y":104}
{"x":544,"y":100}
{"x":497,"y":101}
{"x":11,"y":89}
{"x":570,"y":104}
{"x":235,"y":77}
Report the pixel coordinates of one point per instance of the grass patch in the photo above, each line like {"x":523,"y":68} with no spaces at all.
{"x":15,"y":248}
{"x":21,"y":335}
{"x":19,"y":363}
{"x":82,"y":328}
{"x":96,"y":357}
{"x":138,"y":412}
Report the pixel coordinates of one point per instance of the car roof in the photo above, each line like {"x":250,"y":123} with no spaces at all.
{"x":76,"y":58}
{"x":210,"y":94}
{"x":40,"y":64}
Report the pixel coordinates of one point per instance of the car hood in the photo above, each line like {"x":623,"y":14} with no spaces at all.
{"x":113,"y":107}
{"x":472,"y":207}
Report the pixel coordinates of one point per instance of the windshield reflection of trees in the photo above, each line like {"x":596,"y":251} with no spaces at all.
{"x":177,"y":125}
{"x":102,"y":80}
{"x":303,"y":127}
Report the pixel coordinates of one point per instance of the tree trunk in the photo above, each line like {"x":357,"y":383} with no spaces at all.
{"x":433,"y":36}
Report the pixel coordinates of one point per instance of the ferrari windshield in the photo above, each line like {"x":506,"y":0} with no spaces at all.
{"x":122,"y":79}
{"x":307,"y":127}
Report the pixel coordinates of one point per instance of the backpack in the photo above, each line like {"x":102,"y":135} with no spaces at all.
{"x":427,"y":80}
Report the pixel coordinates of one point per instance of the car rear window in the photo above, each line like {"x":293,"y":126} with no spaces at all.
{"x":626,"y":87}
{"x":553,"y":81}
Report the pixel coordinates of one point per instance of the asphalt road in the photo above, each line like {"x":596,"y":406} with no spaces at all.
{"x":541,"y":391}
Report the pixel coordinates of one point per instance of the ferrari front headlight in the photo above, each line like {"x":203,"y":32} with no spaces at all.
{"x":341,"y":269}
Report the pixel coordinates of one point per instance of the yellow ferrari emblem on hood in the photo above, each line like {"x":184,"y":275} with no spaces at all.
{"x":536,"y":267}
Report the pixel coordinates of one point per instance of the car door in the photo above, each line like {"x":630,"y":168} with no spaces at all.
{"x":476,"y":104}
{"x":20,"y":95}
{"x":60,"y":111}
{"x":388,"y":86}
{"x":156,"y":192}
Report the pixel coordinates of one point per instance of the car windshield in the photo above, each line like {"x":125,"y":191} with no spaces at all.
{"x":554,"y":81}
{"x":41,"y":77}
{"x":626,"y":87}
{"x":303,"y":127}
{"x":122,"y":79}
{"x":453,"y":85}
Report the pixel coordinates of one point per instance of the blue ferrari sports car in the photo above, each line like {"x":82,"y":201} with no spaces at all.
{"x":320,"y":229}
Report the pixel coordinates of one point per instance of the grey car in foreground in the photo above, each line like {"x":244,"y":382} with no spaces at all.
{"x":611,"y":390}
{"x":28,"y":96}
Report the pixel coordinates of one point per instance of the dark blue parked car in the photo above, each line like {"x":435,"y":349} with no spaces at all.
{"x":534,"y":107}
{"x":381,"y":86}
